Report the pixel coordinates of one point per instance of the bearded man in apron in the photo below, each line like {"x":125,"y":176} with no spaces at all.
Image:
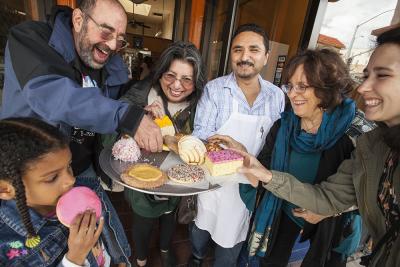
{"x":240,"y":106}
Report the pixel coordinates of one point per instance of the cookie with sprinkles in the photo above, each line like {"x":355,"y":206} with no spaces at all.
{"x":183,"y":173}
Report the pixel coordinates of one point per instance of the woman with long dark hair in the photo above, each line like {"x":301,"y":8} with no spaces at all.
{"x":173,"y":89}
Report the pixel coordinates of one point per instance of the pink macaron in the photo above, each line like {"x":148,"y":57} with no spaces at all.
{"x":75,"y":201}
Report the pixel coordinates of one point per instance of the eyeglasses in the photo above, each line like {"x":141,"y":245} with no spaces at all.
{"x":171,"y":78}
{"x":298,"y":88}
{"x":108,"y":34}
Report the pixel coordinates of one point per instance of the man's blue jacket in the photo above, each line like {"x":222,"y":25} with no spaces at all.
{"x":41,"y":81}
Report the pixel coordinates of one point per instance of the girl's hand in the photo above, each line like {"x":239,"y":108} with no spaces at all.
{"x":308,"y":216}
{"x":156,"y":109}
{"x":228,"y":141}
{"x":253,"y":169}
{"x":83,"y":235}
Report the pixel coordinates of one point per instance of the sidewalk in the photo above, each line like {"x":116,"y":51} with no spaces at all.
{"x":353,"y":264}
{"x":180,"y":242}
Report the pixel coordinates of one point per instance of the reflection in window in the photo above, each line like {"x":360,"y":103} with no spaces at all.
{"x":151,"y":18}
{"x":11,"y":13}
{"x":218,"y":18}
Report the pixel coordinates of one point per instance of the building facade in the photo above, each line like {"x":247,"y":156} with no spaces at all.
{"x":209,"y":24}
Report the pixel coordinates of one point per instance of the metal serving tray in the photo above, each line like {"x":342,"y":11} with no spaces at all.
{"x":113,"y":168}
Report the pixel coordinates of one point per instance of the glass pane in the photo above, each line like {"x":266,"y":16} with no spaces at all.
{"x":283,"y":21}
{"x":151,"y":18}
{"x":182,"y":26}
{"x":11,"y":13}
{"x":218,"y":18}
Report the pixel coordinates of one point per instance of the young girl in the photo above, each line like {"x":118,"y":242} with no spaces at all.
{"x":34,"y":172}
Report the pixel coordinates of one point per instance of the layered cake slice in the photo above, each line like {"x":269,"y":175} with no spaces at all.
{"x":165,"y":123}
{"x":223,"y":162}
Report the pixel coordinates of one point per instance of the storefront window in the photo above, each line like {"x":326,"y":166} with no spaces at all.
{"x":209,"y":24}
{"x":283,"y":20}
{"x":217,"y":28}
{"x":11,"y":13}
{"x":149,"y":32}
{"x":151,"y":18}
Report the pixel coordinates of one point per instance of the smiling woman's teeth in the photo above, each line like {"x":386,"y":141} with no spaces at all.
{"x":372,"y":102}
{"x":175,"y":93}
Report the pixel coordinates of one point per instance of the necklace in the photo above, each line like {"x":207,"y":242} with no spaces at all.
{"x":310,"y":129}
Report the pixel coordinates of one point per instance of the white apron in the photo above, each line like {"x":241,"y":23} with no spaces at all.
{"x":222,"y":212}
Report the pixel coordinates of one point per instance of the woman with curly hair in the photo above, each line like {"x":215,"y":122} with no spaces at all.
{"x":369,"y":179}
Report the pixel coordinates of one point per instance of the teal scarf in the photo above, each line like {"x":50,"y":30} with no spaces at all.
{"x":332,"y":128}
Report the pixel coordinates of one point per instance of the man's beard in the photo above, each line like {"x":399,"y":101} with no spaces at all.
{"x":86,"y":50}
{"x":245,"y":75}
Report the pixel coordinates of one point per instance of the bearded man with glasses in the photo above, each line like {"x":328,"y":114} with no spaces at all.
{"x":68,"y":73}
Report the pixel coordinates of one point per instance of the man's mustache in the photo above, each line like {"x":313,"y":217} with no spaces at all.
{"x":241,"y":63}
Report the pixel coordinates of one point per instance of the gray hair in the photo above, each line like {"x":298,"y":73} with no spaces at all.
{"x":186,"y":52}
{"x":87,"y":5}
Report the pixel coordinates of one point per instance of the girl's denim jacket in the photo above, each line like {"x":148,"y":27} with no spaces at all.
{"x":54,"y":235}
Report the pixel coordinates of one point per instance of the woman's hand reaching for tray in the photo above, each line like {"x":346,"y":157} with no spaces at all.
{"x":253,"y":169}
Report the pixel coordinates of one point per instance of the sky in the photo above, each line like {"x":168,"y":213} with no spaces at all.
{"x":342,"y":17}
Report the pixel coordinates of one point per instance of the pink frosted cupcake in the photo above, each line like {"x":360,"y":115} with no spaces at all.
{"x":75,"y":201}
{"x":126,"y":149}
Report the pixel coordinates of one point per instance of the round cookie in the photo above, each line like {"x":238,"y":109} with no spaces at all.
{"x":144,"y":176}
{"x":183,"y":173}
{"x":75,"y":201}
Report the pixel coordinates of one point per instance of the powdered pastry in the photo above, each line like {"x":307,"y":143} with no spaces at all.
{"x":126,"y":149}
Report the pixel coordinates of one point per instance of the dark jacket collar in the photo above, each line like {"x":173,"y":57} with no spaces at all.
{"x":62,"y":41}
